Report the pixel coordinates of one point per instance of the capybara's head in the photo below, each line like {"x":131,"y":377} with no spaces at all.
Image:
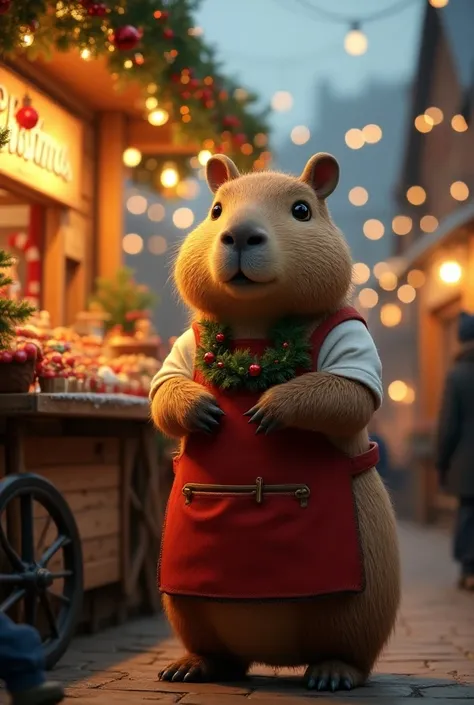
{"x":268,"y":247}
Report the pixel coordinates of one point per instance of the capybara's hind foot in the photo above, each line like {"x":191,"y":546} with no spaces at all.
{"x":333,"y":675}
{"x":193,"y":669}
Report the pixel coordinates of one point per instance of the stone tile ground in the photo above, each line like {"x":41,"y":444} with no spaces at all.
{"x":431,"y":655}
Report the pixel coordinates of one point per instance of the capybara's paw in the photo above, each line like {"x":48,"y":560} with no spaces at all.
{"x":203,"y":415}
{"x":333,"y":675}
{"x":194,"y":669}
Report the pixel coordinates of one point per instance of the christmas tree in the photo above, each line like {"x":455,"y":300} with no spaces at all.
{"x":123,"y":299}
{"x":11,"y":312}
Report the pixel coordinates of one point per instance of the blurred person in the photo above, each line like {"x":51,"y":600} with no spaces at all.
{"x":455,"y":447}
{"x":22,"y":666}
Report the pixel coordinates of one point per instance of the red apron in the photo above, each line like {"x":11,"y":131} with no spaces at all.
{"x":260,"y":517}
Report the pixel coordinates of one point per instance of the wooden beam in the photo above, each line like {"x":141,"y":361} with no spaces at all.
{"x":150,"y":139}
{"x":110,"y":176}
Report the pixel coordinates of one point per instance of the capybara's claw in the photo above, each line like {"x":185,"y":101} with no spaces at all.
{"x":333,"y":676}
{"x":189,"y":669}
{"x":205,"y":416}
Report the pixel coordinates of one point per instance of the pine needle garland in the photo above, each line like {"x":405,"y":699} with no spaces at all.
{"x":239,"y":369}
{"x":4,"y":136}
{"x":11,"y":312}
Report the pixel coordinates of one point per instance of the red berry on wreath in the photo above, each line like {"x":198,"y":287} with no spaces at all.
{"x":5,"y":6}
{"x":209,"y":358}
{"x":255,"y":370}
{"x":220,"y":365}
{"x":20,"y":356}
{"x":126,"y":38}
{"x":220,"y":337}
{"x":6,"y":356}
{"x":168,"y":33}
{"x":97,"y":9}
{"x":285,"y":345}
{"x":27,"y":117}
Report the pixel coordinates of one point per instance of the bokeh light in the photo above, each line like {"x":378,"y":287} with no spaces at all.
{"x":416,"y":195}
{"x":416,"y":278}
{"x":183,"y":218}
{"x":156,"y":212}
{"x":136,"y":205}
{"x":132,"y":244}
{"x":354,"y":138}
{"x":388,"y":281}
{"x":435,"y":114}
{"x":373,"y":229}
{"x":356,"y":42}
{"x":372,"y":133}
{"x":158,"y":117}
{"x":397,"y":390}
{"x":300,"y":135}
{"x":450,"y":272}
{"x":358,"y":196}
{"x":459,"y":191}
{"x":428,"y":223}
{"x":458,"y":123}
{"x":360,"y":273}
{"x":390,"y":315}
{"x":282,"y":101}
{"x":402,"y":224}
{"x":368,"y":298}
{"x":132,"y":157}
{"x":188,"y":189}
{"x":406,"y":294}
{"x":380,"y":269}
{"x":157,"y":244}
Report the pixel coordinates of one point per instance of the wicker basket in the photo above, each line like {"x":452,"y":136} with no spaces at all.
{"x":16,"y":377}
{"x":53,"y":385}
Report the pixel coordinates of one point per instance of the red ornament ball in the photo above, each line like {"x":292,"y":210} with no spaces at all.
{"x":255,"y":370}
{"x":126,"y":38}
{"x":285,"y":345}
{"x":220,"y":337}
{"x":5,"y":6}
{"x":31,"y":350}
{"x":168,"y":33}
{"x":97,"y":9}
{"x":209,"y":358}
{"x":220,"y":365}
{"x":27,"y":117}
{"x":20,"y":356}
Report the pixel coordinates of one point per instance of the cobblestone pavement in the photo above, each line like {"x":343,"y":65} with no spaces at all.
{"x":431,"y":655}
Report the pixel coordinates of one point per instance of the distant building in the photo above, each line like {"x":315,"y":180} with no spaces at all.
{"x":437,"y":255}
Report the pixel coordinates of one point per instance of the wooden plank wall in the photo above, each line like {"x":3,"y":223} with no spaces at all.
{"x":87,"y":473}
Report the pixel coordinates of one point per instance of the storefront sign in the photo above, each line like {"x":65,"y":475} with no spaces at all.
{"x":48,"y":157}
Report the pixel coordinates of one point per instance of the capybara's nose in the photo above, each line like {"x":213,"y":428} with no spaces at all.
{"x":244,"y":236}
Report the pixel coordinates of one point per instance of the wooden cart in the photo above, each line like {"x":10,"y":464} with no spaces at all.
{"x":80,"y":511}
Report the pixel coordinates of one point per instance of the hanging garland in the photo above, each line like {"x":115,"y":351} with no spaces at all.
{"x":156,"y":44}
{"x":290,"y":352}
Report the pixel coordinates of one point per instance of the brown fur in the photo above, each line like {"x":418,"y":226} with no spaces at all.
{"x":308,"y":273}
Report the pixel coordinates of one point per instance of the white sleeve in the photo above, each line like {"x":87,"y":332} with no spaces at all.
{"x":179,"y":362}
{"x":349,"y":351}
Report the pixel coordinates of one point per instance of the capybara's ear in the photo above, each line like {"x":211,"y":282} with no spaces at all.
{"x":322,"y":174}
{"x":220,"y":169}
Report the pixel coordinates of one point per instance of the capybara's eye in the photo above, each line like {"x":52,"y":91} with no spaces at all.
{"x":216,"y":211}
{"x":301,"y":211}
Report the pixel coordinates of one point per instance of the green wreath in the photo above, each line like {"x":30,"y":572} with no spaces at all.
{"x":290,"y":352}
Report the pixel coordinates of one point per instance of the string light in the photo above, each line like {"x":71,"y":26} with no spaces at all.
{"x":416,"y":195}
{"x":368,"y":298}
{"x":360,"y":273}
{"x":450,"y":272}
{"x":372,"y":133}
{"x":438,"y":3}
{"x":459,"y":191}
{"x":397,"y":390}
{"x":300,"y":135}
{"x":358,"y":196}
{"x":183,"y":218}
{"x":169,"y":176}
{"x":355,"y":41}
{"x":137,"y":205}
{"x":282,"y":101}
{"x":458,"y":123}
{"x":156,"y":212}
{"x":132,"y":157}
{"x":424,"y":123}
{"x":354,"y":138}
{"x":401,"y":224}
{"x":132,"y":244}
{"x":388,"y":281}
{"x":151,"y":103}
{"x":204,"y":156}
{"x":380,"y":269}
{"x":429,"y":223}
{"x":390,"y":315}
{"x":435,"y":114}
{"x":373,"y":229}
{"x":416,"y":278}
{"x":406,"y":294}
{"x":158,"y":117}
{"x":85,"y":54}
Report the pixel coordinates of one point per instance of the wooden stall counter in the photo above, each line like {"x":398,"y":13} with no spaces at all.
{"x":101,"y":452}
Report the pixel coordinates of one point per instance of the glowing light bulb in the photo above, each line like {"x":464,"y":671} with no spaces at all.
{"x":356,"y":42}
{"x":85,"y":54}
{"x":204,"y":156}
{"x":450,"y":272}
{"x":169,"y":176}
{"x":158,"y":117}
{"x":132,"y":157}
{"x":397,"y":390}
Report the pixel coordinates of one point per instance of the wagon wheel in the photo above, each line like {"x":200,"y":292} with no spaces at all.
{"x":45,"y":582}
